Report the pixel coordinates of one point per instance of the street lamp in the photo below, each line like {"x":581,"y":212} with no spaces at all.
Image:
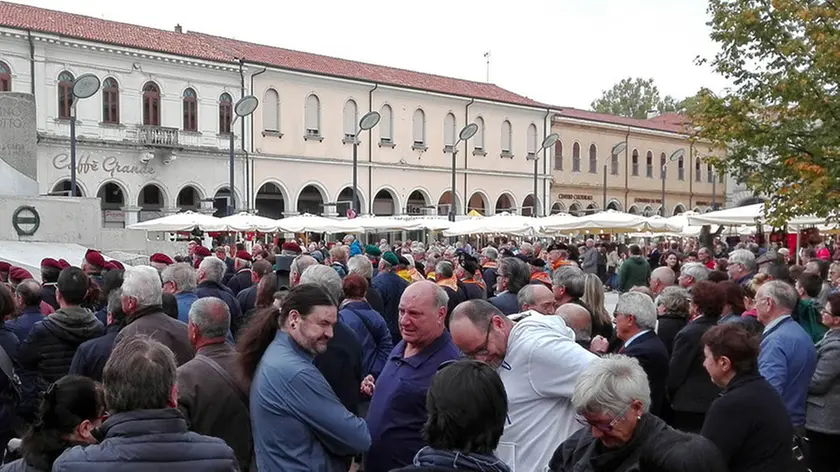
{"x":85,"y":86}
{"x":547,"y":143}
{"x":244,"y":107}
{"x":466,"y":133}
{"x":367,"y":123}
{"x":678,"y":154}
{"x":617,"y":148}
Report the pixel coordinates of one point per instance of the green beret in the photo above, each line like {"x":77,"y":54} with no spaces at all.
{"x":372,"y":250}
{"x":391,"y":258}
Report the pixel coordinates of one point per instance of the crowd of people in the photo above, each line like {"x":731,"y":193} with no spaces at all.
{"x":425,"y":357}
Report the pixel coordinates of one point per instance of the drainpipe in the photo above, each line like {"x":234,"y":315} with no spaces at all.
{"x":626,"y":169}
{"x":31,"y":61}
{"x":545,"y":172}
{"x":466,"y":159}
{"x":247,"y":156}
{"x":246,"y":195}
{"x":370,"y":152}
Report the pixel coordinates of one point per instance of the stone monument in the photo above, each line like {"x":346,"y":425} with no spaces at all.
{"x":18,"y":140}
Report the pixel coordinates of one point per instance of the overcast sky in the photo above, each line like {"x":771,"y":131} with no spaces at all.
{"x":562,"y":52}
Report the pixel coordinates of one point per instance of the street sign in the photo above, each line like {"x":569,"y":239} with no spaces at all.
{"x":26,"y":220}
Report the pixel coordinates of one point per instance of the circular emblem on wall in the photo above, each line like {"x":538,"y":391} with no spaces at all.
{"x":26,"y":220}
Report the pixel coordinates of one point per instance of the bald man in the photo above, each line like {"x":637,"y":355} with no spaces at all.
{"x":579,"y":319}
{"x":661,"y":278}
{"x":536,"y":297}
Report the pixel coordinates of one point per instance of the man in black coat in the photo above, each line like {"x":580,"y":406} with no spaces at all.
{"x":243,"y":278}
{"x":247,"y":298}
{"x":635,"y":321}
{"x":92,"y":355}
{"x":209,"y":278}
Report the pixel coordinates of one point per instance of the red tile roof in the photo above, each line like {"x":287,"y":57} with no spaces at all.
{"x":664,"y":123}
{"x":214,"y":48}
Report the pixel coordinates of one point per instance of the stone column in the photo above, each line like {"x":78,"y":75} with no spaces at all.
{"x":169,"y":210}
{"x":132,"y":215}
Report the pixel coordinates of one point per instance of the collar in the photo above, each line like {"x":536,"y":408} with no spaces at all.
{"x":451,"y":283}
{"x":772,"y":325}
{"x":285,"y":339}
{"x":490,"y":265}
{"x":740,"y":380}
{"x":244,"y":270}
{"x":420,"y":358}
{"x":144,"y":422}
{"x":214,"y":346}
{"x":31,"y":310}
{"x":49,"y":284}
{"x":149,"y":310}
{"x":635,"y":336}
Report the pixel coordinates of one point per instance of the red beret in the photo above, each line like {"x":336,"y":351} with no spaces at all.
{"x":202,"y":251}
{"x":161,"y":259}
{"x":244,"y":255}
{"x":118,"y":265}
{"x":5,"y":266}
{"x":50,"y":263}
{"x":64,"y":264}
{"x":17,"y":273}
{"x":291,"y":246}
{"x":94,"y":258}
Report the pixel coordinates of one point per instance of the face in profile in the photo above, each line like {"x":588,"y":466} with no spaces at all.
{"x":315,"y":331}
{"x":485,"y":344}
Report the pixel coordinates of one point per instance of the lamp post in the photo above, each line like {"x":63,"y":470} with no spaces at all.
{"x":367,"y":123}
{"x":85,"y":86}
{"x":244,"y":107}
{"x":466,"y":133}
{"x":547,"y":143}
{"x":674,"y":156}
{"x":617,"y":148}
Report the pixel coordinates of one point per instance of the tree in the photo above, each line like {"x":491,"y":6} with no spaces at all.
{"x":634,"y":98}
{"x":780,"y":121}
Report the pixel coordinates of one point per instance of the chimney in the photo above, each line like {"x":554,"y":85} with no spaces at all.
{"x":178,"y":29}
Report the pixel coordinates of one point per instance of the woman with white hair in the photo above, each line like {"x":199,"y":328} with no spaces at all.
{"x":612,"y":399}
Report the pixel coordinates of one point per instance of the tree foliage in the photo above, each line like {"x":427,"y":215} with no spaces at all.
{"x":634,"y":98}
{"x":780,"y":121}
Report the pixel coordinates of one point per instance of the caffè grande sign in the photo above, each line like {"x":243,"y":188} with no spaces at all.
{"x":85,"y":164}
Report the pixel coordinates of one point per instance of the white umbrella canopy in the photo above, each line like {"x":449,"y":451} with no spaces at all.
{"x":659,"y":224}
{"x":186,"y":221}
{"x":373,"y":224}
{"x":247,"y":222}
{"x":745,"y":215}
{"x":308,"y":223}
{"x":434,"y":224}
{"x":557,"y":223}
{"x":500,"y":223}
{"x":610,"y":221}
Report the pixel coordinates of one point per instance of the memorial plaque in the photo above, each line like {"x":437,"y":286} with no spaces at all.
{"x":18,"y":139}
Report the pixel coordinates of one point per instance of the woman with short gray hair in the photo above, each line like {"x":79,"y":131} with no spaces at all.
{"x":612,"y":398}
{"x":672,"y":311}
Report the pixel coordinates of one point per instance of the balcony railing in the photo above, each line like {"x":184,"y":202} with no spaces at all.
{"x":157,"y":136}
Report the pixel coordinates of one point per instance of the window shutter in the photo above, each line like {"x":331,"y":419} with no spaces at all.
{"x":350,"y":119}
{"x":506,"y":135}
{"x":385,"y":123}
{"x":271,"y":111}
{"x":312,"y":111}
{"x":478,"y":139}
{"x":418,"y":133}
{"x":449,"y":130}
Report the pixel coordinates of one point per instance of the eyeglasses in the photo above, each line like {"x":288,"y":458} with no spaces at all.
{"x":603,"y":427}
{"x":482,"y":349}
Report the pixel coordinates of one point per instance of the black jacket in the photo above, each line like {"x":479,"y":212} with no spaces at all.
{"x":341,"y":365}
{"x":751,"y":426}
{"x":247,"y":299}
{"x":374,"y":299}
{"x":52,"y":343}
{"x":208,"y":288}
{"x":649,"y":350}
{"x":149,"y":440}
{"x":240,"y":281}
{"x":92,"y":355}
{"x":690,"y":389}
{"x":48,"y":295}
{"x":669,"y":325}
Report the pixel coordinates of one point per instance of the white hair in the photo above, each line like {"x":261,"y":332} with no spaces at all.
{"x":695,"y":270}
{"x":744,"y":257}
{"x":664,"y":274}
{"x":300,"y":264}
{"x":142,"y":283}
{"x":181,"y":274}
{"x":491,"y":253}
{"x":639,"y":305}
{"x":609,"y":385}
{"x":326,"y":278}
{"x":214,"y":269}
{"x":360,"y":265}
{"x":211,"y":316}
{"x":781,"y":292}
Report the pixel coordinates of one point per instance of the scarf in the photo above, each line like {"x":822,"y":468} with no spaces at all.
{"x":405,"y":275}
{"x":428,"y":457}
{"x":560,"y":263}
{"x":489,"y":265}
{"x":451,"y":282}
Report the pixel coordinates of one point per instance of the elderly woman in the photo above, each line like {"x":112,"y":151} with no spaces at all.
{"x":672,"y":308}
{"x":612,"y":398}
{"x":822,"y":418}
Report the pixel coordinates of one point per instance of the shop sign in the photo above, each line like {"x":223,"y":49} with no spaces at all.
{"x":702,"y":203}
{"x":85,"y":164}
{"x":647,"y":200}
{"x":569,"y":196}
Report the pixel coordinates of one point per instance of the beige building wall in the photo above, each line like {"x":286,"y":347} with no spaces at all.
{"x":630,"y":188}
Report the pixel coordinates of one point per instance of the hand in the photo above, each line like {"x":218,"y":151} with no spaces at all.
{"x":599,"y":345}
{"x":368,"y":386}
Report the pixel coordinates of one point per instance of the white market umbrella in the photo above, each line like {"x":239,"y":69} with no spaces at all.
{"x":375,"y":224}
{"x":307,"y":223}
{"x":557,"y":223}
{"x":745,"y":215}
{"x":657,"y":223}
{"x":501,"y":223}
{"x":609,"y":221}
{"x":180,"y":222}
{"x":247,"y":222}
{"x":434,"y":224}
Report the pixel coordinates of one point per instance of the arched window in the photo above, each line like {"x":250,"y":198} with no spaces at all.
{"x":419,"y":128}
{"x":350,"y":120}
{"x":5,"y":78}
{"x":449,"y":131}
{"x":635,"y":163}
{"x":478,"y":139}
{"x":710,"y":173}
{"x":558,"y":155}
{"x":649,"y":164}
{"x":532,"y":140}
{"x":190,"y":110}
{"x":681,"y":168}
{"x":110,"y":101}
{"x":576,"y":157}
{"x":313,"y":117}
{"x":225,"y":113}
{"x":614,"y":165}
{"x":697,"y":177}
{"x":507,"y":138}
{"x":593,"y":159}
{"x":271,"y":111}
{"x":386,"y":125}
{"x":662,"y":167}
{"x":151,"y":104}
{"x":65,"y":94}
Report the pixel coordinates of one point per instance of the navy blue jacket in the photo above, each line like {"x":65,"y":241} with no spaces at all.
{"x":149,"y":440}
{"x":23,"y":324}
{"x":209,"y":288}
{"x":92,"y":355}
{"x":48,"y":295}
{"x":506,"y":302}
{"x":391,"y":286}
{"x":247,"y":299}
{"x":372,"y":332}
{"x":652,"y":354}
{"x":240,"y":281}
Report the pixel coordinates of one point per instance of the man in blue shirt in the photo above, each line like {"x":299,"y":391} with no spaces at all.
{"x":787,"y":359}
{"x":179,"y":280}
{"x":398,"y":408}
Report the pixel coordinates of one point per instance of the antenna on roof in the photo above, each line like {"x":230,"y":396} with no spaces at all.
{"x":487,"y":58}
